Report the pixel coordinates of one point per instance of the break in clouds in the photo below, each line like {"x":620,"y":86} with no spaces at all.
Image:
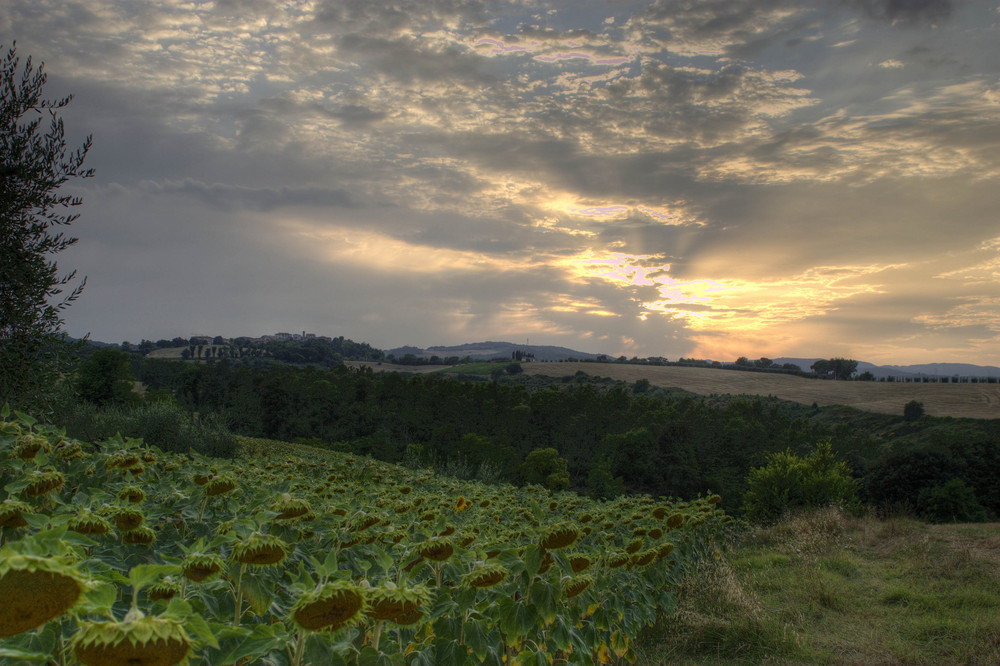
{"x":680,"y":178}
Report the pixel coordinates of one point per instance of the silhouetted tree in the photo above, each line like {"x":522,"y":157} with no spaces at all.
{"x":34,"y":164}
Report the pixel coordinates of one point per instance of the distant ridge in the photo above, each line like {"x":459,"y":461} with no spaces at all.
{"x":919,"y":370}
{"x":484,"y":351}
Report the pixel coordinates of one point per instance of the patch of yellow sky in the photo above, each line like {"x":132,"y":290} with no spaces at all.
{"x":721,"y":313}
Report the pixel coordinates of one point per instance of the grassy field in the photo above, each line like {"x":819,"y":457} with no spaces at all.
{"x":826,"y":588}
{"x":980,"y":401}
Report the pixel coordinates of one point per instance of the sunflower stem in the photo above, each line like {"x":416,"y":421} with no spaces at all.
{"x":378,"y":633}
{"x":239,"y":596}
{"x":300,"y":647}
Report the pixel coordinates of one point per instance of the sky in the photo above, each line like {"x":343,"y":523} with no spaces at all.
{"x":696,"y":178}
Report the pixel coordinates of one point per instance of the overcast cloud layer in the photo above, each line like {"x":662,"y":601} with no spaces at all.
{"x":680,"y":178}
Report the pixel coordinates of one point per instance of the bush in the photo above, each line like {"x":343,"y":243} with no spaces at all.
{"x":789,"y":481}
{"x":952,"y":502}
{"x":158,"y":424}
{"x":913,"y":410}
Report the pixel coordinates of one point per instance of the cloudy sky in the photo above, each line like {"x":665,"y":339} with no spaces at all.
{"x":708,"y":178}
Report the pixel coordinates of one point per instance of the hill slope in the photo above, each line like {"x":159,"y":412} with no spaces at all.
{"x":978,"y":401}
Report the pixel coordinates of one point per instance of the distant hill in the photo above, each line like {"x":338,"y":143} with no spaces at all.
{"x":920,"y":370}
{"x":484,"y":351}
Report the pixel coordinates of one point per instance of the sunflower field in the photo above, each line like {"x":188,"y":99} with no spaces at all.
{"x":117,"y":553}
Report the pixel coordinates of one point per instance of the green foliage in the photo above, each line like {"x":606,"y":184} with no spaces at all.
{"x":34,"y":164}
{"x":161,"y":424}
{"x":951,"y":502}
{"x":913,"y":410}
{"x":837,"y":368}
{"x":789,"y":481}
{"x":106,"y":378}
{"x":545,"y":467}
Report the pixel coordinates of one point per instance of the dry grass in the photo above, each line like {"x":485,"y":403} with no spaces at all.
{"x":824,"y":587}
{"x":979,"y":401}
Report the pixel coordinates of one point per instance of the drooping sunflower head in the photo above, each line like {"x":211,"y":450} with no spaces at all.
{"x":576,"y":585}
{"x":289,"y":507}
{"x":664,"y":550}
{"x":485,"y":576}
{"x":675,"y":521}
{"x":218,"y":485}
{"x":34,"y":590}
{"x":260,"y":550}
{"x":140,"y":536}
{"x":69,"y":449}
{"x":135,"y":641}
{"x":127,"y":518}
{"x":329,"y":607}
{"x":28,"y":446}
{"x":164,"y":589}
{"x":88,"y":522}
{"x":437,"y":549}
{"x":201,"y":566}
{"x":42,"y":482}
{"x":579,"y":563}
{"x":643,"y":558}
{"x":12,"y":513}
{"x":131,"y":492}
{"x":461,"y":504}
{"x":396,"y":604}
{"x":560,"y":535}
{"x":618,"y":560}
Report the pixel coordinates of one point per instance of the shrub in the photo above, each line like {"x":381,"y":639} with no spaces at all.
{"x":913,"y":410}
{"x":159,"y":424}
{"x":951,"y":502}
{"x":789,"y":481}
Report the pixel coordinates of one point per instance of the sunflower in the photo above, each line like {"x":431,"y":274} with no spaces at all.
{"x":12,"y":513}
{"x":165,"y":589}
{"x":461,"y":504}
{"x":618,"y":560}
{"x":141,"y":536}
{"x":220,"y":484}
{"x":329,"y":607}
{"x":261,"y":550}
{"x":34,"y":590}
{"x":28,"y":446}
{"x":289,"y":507}
{"x":388,"y":602}
{"x":437,"y":549}
{"x":131,"y":493}
{"x":87,"y":522}
{"x":136,"y":641}
{"x":43,"y":482}
{"x":559,"y":535}
{"x":575,"y":586}
{"x":579,"y":563}
{"x":485,"y":576}
{"x":126,"y":518}
{"x":201,"y":566}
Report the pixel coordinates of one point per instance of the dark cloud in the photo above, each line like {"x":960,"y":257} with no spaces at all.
{"x":250,"y":198}
{"x":907,"y":11}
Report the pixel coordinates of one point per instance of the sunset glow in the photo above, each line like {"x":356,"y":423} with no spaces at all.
{"x":711,"y":179}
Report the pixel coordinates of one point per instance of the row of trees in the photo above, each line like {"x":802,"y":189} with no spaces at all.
{"x":613,"y":437}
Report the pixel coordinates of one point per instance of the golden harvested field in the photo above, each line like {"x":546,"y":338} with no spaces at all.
{"x":978,"y":401}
